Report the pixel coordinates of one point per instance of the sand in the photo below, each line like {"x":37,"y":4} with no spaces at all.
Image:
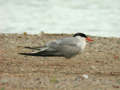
{"x":97,"y":68}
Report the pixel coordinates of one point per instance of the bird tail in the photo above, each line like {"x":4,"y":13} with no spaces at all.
{"x":30,"y":54}
{"x":42,"y":53}
{"x":35,"y":48}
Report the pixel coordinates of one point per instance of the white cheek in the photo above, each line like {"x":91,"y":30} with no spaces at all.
{"x":82,"y":43}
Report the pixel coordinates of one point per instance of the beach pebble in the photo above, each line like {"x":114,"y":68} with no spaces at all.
{"x":93,"y":67}
{"x":25,"y":33}
{"x":85,"y":76}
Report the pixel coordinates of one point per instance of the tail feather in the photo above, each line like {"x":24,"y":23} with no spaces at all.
{"x":43,"y":51}
{"x":30,"y":54}
{"x":35,"y":48}
{"x":44,"y":54}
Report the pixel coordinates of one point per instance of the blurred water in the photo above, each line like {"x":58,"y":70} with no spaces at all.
{"x":94,"y":17}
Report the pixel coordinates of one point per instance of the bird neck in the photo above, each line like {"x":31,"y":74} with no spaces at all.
{"x":82,"y":42}
{"x":80,"y":38}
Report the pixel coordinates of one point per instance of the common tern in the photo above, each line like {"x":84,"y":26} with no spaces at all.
{"x":65,"y":47}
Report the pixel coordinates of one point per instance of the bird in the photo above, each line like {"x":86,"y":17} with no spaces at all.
{"x":65,"y":47}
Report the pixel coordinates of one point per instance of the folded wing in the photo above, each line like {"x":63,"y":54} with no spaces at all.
{"x":63,"y":47}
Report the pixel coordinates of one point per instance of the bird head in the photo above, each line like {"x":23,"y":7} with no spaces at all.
{"x":83,"y":36}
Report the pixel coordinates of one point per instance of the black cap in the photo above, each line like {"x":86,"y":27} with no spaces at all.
{"x":80,"y":34}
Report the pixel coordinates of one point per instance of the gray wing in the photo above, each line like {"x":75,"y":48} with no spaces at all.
{"x":64,"y":41}
{"x":63,"y":47}
{"x":34,"y":48}
{"x":55,"y":44}
{"x":66,"y":47}
{"x":68,"y":51}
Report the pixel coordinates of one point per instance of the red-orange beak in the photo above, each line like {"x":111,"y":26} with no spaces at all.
{"x":89,"y":39}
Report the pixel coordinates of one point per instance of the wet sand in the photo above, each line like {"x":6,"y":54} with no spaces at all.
{"x":97,"y":68}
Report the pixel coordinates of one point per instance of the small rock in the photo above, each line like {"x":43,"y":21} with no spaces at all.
{"x":116,"y":86}
{"x":25,"y":33}
{"x":85,"y":76}
{"x":116,"y":57}
{"x":93,"y":67}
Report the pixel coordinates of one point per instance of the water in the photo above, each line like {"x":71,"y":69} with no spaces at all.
{"x":94,"y":17}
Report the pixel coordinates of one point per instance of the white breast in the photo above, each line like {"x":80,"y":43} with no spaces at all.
{"x":81,"y":43}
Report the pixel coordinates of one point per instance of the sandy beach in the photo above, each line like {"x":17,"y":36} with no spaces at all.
{"x":97,"y":68}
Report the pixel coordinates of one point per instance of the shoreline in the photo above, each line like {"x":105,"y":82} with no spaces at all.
{"x":55,"y":34}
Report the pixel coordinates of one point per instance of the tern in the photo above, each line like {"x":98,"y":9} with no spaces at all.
{"x":64,"y":47}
